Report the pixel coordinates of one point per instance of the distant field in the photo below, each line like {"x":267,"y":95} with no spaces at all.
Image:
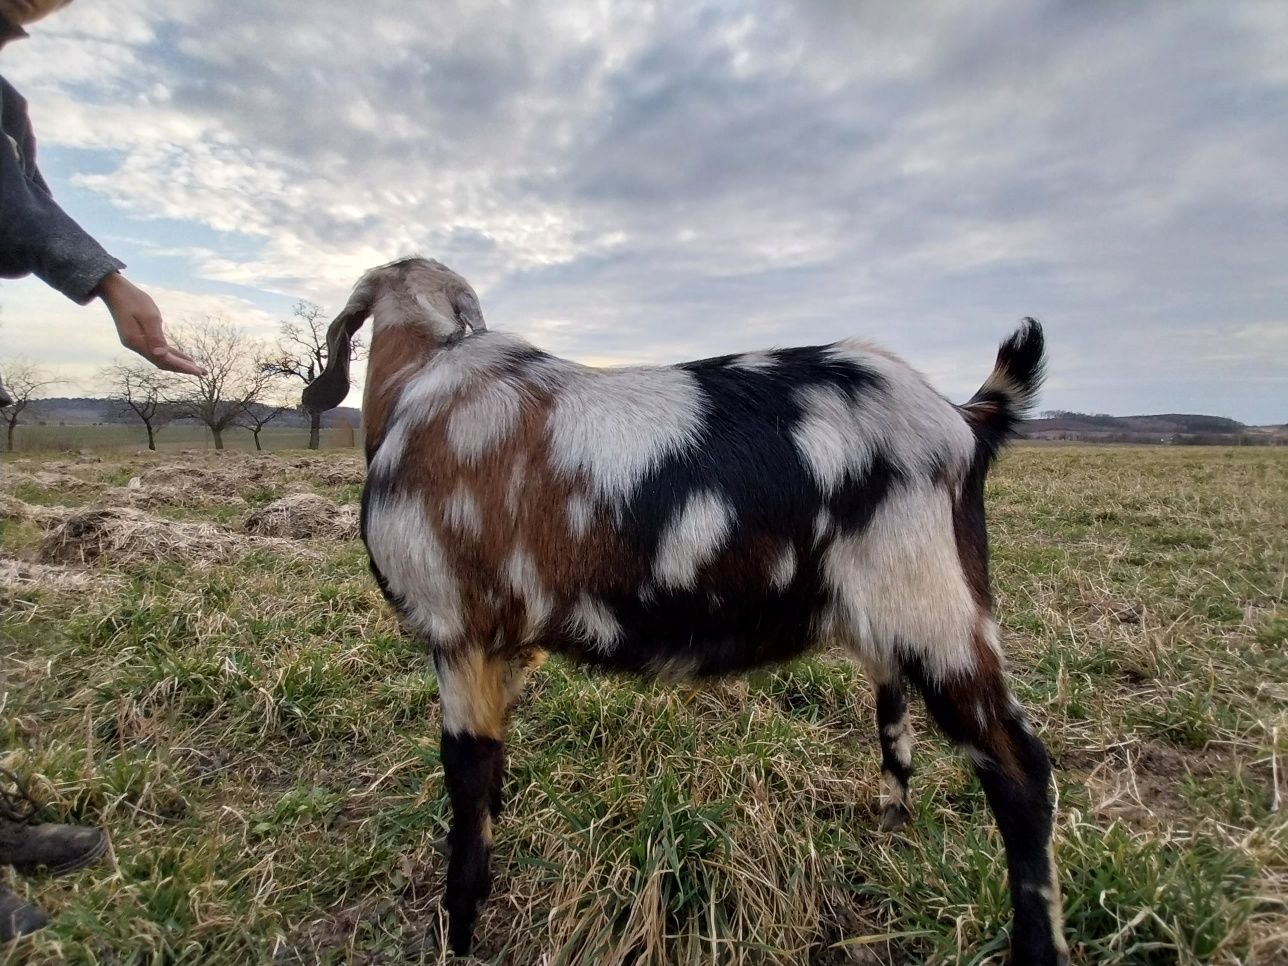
{"x":245,"y":718}
{"x":50,"y":439}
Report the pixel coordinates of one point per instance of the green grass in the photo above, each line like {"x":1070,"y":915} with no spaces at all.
{"x":262,"y":744}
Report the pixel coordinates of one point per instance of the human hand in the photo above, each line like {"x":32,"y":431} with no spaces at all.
{"x":25,"y":12}
{"x":138,"y":322}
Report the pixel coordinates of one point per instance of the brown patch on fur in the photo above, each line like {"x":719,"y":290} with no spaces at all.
{"x":971,"y":534}
{"x":525,"y":662}
{"x":393,"y":360}
{"x":984,"y":708}
{"x":474,"y":693}
{"x":530,"y":518}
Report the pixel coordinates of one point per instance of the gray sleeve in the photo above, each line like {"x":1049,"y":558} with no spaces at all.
{"x":36,"y":236}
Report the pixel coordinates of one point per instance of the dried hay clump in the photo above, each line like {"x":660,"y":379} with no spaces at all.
{"x":301,"y":516}
{"x":230,"y":474}
{"x":121,"y":535}
{"x":19,"y":575}
{"x":136,"y":494}
{"x":331,"y":471}
{"x":11,"y":508}
{"x":49,"y":479}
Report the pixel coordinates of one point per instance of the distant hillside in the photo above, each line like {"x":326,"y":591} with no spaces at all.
{"x":1176,"y":428}
{"x":62,"y":411}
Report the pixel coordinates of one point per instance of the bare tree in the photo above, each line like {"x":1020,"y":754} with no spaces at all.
{"x":144,"y":391}
{"x":301,"y":353}
{"x":233,"y":378}
{"x":23,"y":380}
{"x":261,"y":408}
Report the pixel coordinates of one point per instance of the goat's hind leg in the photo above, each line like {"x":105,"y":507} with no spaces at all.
{"x":894,"y":732}
{"x":975,"y":709}
{"x":474,"y":698}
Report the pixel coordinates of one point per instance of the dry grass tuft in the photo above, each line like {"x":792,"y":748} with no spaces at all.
{"x":19,"y":576}
{"x":47,"y":479}
{"x":304,"y":516}
{"x":148,"y":497}
{"x":125,"y":537}
{"x":331,"y":470}
{"x":11,"y":508}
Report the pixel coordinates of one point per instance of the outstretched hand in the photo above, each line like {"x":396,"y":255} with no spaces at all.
{"x":138,"y":322}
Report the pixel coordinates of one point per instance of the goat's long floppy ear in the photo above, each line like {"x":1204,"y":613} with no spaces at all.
{"x":329,"y":389}
{"x":468,"y":310}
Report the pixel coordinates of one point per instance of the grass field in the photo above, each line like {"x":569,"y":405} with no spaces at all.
{"x":263,"y":745}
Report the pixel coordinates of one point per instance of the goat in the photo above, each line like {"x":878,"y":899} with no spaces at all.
{"x":685,"y":521}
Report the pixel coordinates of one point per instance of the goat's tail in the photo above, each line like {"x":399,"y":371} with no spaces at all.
{"x":1010,"y":391}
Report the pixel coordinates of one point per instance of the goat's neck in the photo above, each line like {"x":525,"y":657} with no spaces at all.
{"x":397,"y":353}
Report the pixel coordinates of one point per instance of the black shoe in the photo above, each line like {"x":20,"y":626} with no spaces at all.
{"x":18,"y":917}
{"x":54,"y":849}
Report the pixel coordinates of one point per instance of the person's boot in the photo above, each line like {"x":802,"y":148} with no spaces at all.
{"x":54,"y":849}
{"x":18,"y":917}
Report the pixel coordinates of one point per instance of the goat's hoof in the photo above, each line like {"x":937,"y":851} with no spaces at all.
{"x":893,"y":818}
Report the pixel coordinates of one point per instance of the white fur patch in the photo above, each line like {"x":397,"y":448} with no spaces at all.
{"x":591,"y":620}
{"x":822,"y":525}
{"x":894,"y":789}
{"x":900,"y":735}
{"x":579,"y":515}
{"x":692,"y":538}
{"x":523,"y":578}
{"x":408,"y":553}
{"x":485,"y":420}
{"x":754,"y":361}
{"x":783,"y":568}
{"x":461,"y":512}
{"x":832,"y":435}
{"x":915,"y":426}
{"x":615,"y":425}
{"x":901,"y":580}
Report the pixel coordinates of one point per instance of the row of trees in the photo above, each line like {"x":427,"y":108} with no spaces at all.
{"x":247,"y":384}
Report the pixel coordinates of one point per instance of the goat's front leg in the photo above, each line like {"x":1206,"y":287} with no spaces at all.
{"x":472,"y":690}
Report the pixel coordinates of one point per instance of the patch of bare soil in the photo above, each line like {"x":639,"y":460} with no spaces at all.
{"x":1141,"y":782}
{"x":303,"y":516}
{"x":842,"y":942}
{"x":122,"y":535}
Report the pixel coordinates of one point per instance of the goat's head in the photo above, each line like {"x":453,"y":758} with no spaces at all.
{"x":417,"y":292}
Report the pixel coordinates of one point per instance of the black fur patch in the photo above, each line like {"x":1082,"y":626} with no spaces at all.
{"x":734,"y":619}
{"x":470,"y":768}
{"x":892,"y":708}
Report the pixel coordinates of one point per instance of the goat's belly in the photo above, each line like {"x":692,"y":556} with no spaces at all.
{"x":685,"y":635}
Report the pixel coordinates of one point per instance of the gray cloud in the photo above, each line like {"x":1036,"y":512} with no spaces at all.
{"x":655,"y":180}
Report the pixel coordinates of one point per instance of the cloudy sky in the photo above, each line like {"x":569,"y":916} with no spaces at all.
{"x":643,"y":181}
